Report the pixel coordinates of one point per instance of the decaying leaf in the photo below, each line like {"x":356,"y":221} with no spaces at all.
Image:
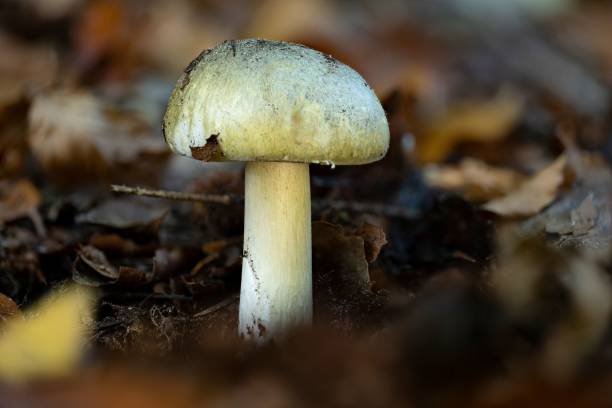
{"x":292,"y":19}
{"x":49,"y":341}
{"x":92,"y":268}
{"x":532,"y":195}
{"x":566,"y":296}
{"x":18,"y":200}
{"x":582,"y":217}
{"x":8,"y":309}
{"x":475,"y":179}
{"x":77,"y":137}
{"x":340,"y":258}
{"x":478,"y":121}
{"x":126,"y":213}
{"x":23,"y":67}
{"x":374,"y":239}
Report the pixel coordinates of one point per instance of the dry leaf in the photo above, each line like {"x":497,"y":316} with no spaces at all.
{"x":49,"y":341}
{"x":292,"y":19}
{"x":53,"y":9}
{"x":374,"y":239}
{"x":534,"y":194}
{"x":127,"y":213}
{"x":567,"y":295}
{"x":479,"y":121}
{"x":23,"y":67}
{"x":339,"y":257}
{"x":91,"y":268}
{"x":8,"y":309}
{"x":475,"y":179}
{"x":17,"y":200}
{"x":173,"y":34}
{"x":77,"y":137}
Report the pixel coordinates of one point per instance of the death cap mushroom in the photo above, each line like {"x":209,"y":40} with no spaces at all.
{"x":258,"y":100}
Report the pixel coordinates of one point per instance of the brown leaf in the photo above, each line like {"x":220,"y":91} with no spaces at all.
{"x":475,"y":179}
{"x":477,"y":121}
{"x":8,"y":308}
{"x":534,"y":194}
{"x":126,"y":213}
{"x":373,"y":239}
{"x":23,"y":66}
{"x":339,"y":257}
{"x":77,"y":137}
{"x":17,"y":200}
{"x":92,"y":268}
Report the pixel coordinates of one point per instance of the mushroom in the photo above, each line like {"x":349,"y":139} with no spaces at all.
{"x":277,"y":106}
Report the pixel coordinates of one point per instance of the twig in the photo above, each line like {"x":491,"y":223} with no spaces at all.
{"x":176,"y":195}
{"x":374,"y":208}
{"x":217,"y":307}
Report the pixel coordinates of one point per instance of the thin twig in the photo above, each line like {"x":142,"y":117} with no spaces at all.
{"x":217,"y":307}
{"x":356,"y":206}
{"x":176,"y":195}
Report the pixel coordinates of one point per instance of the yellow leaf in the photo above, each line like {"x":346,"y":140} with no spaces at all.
{"x":479,"y":121}
{"x":475,"y":179}
{"x":49,"y":340}
{"x":534,"y":194}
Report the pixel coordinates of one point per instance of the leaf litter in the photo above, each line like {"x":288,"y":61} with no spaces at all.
{"x":469,"y":267}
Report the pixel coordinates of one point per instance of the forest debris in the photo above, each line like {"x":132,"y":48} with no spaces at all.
{"x":339,"y":257}
{"x":92,"y":268}
{"x":373,"y":240}
{"x":126,"y":213}
{"x":175,"y":195}
{"x":77,"y":137}
{"x":476,"y":121}
{"x":582,"y":217}
{"x":8,"y":309}
{"x":566,"y":298}
{"x":475,"y":179}
{"x":23,"y":68}
{"x":49,"y":341}
{"x":532,"y":195}
{"x":18,"y":200}
{"x":53,"y":9}
{"x":587,"y":321}
{"x":293,"y":19}
{"x":93,"y":260}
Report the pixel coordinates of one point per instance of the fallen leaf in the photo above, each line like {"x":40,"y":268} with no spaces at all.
{"x":475,"y":121}
{"x":534,"y":194}
{"x":339,"y":257}
{"x":23,"y":68}
{"x":49,"y":340}
{"x":564,"y":297}
{"x":373,"y":240}
{"x":92,"y":268}
{"x":476,"y":180}
{"x":53,"y":9}
{"x":126,"y":213}
{"x":581,"y":217}
{"x":76,"y":137}
{"x":18,"y":200}
{"x":292,"y":19}
{"x":8,"y":309}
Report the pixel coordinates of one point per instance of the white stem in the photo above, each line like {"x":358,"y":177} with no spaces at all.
{"x":276,"y":289}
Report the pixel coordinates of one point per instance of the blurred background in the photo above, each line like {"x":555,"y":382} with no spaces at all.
{"x":469,"y":267}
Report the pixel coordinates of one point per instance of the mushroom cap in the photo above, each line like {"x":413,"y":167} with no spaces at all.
{"x":259,"y":100}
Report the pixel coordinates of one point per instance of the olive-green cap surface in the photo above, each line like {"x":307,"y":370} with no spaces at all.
{"x":258,"y":100}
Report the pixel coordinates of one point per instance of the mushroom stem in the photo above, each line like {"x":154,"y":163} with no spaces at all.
{"x":276,"y":289}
